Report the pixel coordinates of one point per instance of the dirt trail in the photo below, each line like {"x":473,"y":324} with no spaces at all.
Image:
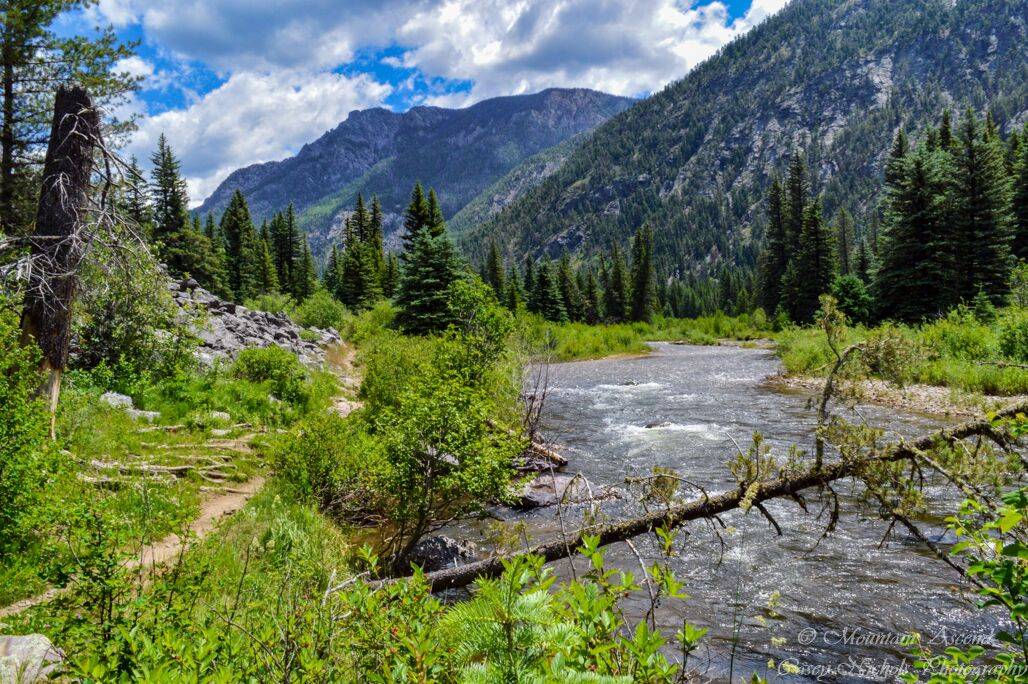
{"x":152,"y":556}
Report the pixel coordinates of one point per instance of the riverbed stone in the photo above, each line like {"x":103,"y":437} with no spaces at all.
{"x":439,"y":552}
{"x":144,"y":416}
{"x":27,"y":658}
{"x":549,"y":490}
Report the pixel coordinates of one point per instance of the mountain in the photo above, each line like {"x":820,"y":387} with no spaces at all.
{"x":459,"y":152}
{"x":834,"y":78}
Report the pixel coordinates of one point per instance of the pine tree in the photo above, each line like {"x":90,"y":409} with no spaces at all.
{"x":592,"y":300}
{"x":1020,"y":198}
{"x":946,"y":131}
{"x":436,"y":224}
{"x":616,"y":295}
{"x":390,"y":275}
{"x":135,"y":201}
{"x":643,"y":296}
{"x":570,"y":293}
{"x":168,"y":190}
{"x":329,"y":279}
{"x":844,"y":241}
{"x":911,"y":277}
{"x":268,"y":275}
{"x":430,"y":267}
{"x":494,"y":270}
{"x":305,"y":272}
{"x":811,"y":272}
{"x":377,"y":238}
{"x":513,"y":294}
{"x":416,"y":217}
{"x":529,"y":283}
{"x":240,"y":246}
{"x":774,"y":258}
{"x":982,"y":219}
{"x":894,"y":164}
{"x":549,"y":303}
{"x":795,"y":204}
{"x":862,"y":266}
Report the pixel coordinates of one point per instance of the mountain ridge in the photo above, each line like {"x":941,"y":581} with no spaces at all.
{"x":460,"y":152}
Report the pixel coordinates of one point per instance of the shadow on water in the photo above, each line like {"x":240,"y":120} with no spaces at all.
{"x":846,"y":587}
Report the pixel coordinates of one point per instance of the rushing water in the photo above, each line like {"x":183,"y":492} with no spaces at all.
{"x":844,"y":588}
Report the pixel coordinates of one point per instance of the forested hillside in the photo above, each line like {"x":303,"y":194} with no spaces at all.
{"x":459,"y":152}
{"x":832,"y":79}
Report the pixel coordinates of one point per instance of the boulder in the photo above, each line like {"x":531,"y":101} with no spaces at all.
{"x":116,"y":400}
{"x":436,"y":553}
{"x":549,"y":490}
{"x":145,"y":416}
{"x":221,"y":416}
{"x":27,"y":658}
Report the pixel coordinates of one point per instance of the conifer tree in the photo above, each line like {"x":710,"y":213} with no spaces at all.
{"x":241,"y":247}
{"x":529,"y":282}
{"x":844,"y":241}
{"x":306,"y":275}
{"x":329,"y":279}
{"x":811,"y":272}
{"x":774,"y":258}
{"x":570,"y":294}
{"x":168,"y":190}
{"x":862,"y":265}
{"x":494,"y":270}
{"x":911,"y":276}
{"x":616,"y":294}
{"x":416,"y":217}
{"x":377,"y":238}
{"x":390,"y":275}
{"x":643,"y":296}
{"x":268,"y":275}
{"x":592,"y":300}
{"x":795,"y":204}
{"x":135,"y":201}
{"x":982,"y":219}
{"x":946,"y":131}
{"x":1020,"y":198}
{"x":513,"y":294}
{"x":430,"y":267}
{"x":548,"y":302}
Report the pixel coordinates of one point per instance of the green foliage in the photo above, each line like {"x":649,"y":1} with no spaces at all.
{"x":273,"y":302}
{"x":853,"y":298}
{"x":127,"y":321}
{"x":1013,"y":335}
{"x":430,"y":267}
{"x":279,"y":368}
{"x":321,"y":310}
{"x":27,"y":458}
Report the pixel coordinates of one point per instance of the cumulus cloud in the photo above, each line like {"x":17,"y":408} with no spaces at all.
{"x":254,"y":118}
{"x":626,"y":47}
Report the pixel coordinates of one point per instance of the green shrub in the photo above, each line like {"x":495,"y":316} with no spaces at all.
{"x":27,"y":458}
{"x":275,"y":303}
{"x":958,"y":336}
{"x":276,"y":366}
{"x":1013,"y":335}
{"x":321,"y":310}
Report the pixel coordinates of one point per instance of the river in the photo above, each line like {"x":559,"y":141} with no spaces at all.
{"x":837,"y":594}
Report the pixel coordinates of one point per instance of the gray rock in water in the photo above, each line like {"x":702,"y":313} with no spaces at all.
{"x":658,"y":424}
{"x":28,"y":658}
{"x":549,"y":490}
{"x":116,"y":400}
{"x":436,"y":553}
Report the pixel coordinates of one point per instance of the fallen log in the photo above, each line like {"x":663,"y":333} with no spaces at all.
{"x":710,"y":506}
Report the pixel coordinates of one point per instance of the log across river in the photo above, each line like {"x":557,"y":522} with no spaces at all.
{"x":844,"y":601}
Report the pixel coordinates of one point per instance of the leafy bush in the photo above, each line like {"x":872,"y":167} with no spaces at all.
{"x":27,"y":458}
{"x":1013,"y":335}
{"x":276,"y":366}
{"x":321,"y":310}
{"x":959,"y":335}
{"x":853,"y":298}
{"x":333,"y":463}
{"x":273,"y":303}
{"x":127,"y":322}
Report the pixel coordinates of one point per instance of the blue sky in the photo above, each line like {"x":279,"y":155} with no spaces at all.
{"x":236,"y":82}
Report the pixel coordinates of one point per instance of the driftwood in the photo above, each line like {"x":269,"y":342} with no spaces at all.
{"x":536,"y":448}
{"x":710,"y":506}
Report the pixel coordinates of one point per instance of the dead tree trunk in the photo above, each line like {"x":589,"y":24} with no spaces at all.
{"x":57,"y":246}
{"x":710,"y":506}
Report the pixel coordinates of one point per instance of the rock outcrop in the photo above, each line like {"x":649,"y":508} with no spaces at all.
{"x":27,"y":658}
{"x":436,"y":553}
{"x":228,"y":328}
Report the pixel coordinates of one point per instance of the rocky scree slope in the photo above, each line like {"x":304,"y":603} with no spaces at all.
{"x":228,"y":328}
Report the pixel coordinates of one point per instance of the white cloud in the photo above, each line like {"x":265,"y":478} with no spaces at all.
{"x":620,"y":46}
{"x":254,"y":118}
